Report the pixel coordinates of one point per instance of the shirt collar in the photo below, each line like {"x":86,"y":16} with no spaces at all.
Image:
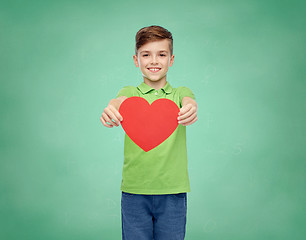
{"x":144,"y":88}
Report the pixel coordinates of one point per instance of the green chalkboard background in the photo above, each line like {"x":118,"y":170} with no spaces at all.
{"x":61,"y":63}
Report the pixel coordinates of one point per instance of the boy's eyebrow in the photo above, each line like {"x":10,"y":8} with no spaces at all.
{"x":150,"y":51}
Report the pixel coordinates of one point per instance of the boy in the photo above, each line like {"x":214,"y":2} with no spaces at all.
{"x":154,"y":183}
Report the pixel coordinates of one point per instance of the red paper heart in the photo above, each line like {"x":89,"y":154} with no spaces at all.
{"x":148,"y":125}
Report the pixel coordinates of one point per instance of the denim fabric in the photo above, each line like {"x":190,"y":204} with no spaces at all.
{"x":153,"y":217}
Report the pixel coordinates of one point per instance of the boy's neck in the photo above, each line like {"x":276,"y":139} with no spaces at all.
{"x":156,"y":85}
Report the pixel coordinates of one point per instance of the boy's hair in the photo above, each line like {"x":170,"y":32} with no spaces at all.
{"x":151,"y":34}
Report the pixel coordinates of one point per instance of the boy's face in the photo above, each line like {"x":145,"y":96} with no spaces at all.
{"x":154,"y":61}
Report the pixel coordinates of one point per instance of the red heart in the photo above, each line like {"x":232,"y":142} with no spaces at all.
{"x":148,"y":125}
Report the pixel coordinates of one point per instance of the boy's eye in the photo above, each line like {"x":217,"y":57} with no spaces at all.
{"x":145,"y":55}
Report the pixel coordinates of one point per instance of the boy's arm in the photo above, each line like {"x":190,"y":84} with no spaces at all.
{"x":188,"y":112}
{"x":111,"y":116}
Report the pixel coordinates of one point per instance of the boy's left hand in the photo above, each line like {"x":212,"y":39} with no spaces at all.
{"x":188,"y":113}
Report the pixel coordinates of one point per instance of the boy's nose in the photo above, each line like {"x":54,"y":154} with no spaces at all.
{"x":154,"y":59}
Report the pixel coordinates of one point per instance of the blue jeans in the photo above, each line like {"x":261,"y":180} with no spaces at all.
{"x":158,"y":217}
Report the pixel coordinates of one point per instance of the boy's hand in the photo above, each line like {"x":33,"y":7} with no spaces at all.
{"x":188,"y":112}
{"x":111,"y":116}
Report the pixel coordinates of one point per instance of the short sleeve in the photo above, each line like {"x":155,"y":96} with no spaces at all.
{"x":127,"y":91}
{"x":185,"y":92}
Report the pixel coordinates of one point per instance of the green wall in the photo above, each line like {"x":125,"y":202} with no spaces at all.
{"x":61,"y":63}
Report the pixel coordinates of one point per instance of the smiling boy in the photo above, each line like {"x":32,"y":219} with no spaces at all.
{"x":154,"y":183}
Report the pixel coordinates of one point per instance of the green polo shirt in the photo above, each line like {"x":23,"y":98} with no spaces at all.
{"x":162,"y":170}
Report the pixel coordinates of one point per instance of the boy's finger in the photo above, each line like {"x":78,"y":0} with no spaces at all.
{"x":192,"y":122}
{"x":185,"y":109}
{"x":107,"y":119}
{"x":186,"y":115}
{"x":188,"y":119}
{"x":112,"y":116}
{"x":116,"y":112}
{"x":104,"y":123}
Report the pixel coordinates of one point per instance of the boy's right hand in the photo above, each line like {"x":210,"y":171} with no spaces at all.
{"x":111,"y":116}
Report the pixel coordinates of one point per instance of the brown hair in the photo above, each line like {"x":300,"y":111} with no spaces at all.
{"x":151,"y":34}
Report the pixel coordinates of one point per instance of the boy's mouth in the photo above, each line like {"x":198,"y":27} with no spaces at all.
{"x":154,"y":70}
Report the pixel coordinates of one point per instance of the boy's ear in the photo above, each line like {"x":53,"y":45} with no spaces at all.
{"x":171,"y":60}
{"x":135,"y":60}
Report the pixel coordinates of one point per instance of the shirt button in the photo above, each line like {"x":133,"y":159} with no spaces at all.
{"x":155,"y":93}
